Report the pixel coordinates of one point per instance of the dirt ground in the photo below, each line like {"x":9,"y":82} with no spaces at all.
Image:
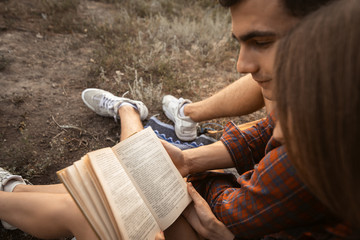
{"x":44,"y":125}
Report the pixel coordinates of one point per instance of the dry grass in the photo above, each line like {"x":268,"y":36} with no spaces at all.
{"x":161,"y":44}
{"x":170,"y":45}
{"x":148,"y":48}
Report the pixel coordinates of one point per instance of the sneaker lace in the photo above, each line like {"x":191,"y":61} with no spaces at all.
{"x":125,"y":93}
{"x":106,"y":103}
{"x":27,"y":181}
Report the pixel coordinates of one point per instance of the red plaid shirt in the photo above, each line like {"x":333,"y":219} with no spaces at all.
{"x":269,"y":197}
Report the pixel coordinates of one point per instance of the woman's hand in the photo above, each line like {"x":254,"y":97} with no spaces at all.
{"x":160,"y":236}
{"x":202,"y":219}
{"x":177,"y":157}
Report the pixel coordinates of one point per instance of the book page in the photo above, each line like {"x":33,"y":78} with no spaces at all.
{"x":91,"y":196}
{"x":154,"y":174}
{"x":75,"y":185}
{"x":130,"y":211}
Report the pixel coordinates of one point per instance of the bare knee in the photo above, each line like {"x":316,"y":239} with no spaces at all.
{"x":181,"y":229}
{"x":76,"y":221}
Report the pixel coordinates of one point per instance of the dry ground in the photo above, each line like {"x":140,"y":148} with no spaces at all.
{"x":51,"y":50}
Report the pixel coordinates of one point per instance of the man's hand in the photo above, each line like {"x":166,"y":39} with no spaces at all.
{"x":177,"y":157}
{"x":202,"y":219}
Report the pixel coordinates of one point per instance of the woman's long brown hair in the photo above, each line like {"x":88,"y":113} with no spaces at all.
{"x":317,"y":89}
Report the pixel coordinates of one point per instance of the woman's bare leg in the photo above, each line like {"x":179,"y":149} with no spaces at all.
{"x":47,"y":211}
{"x":51,"y":188}
{"x":44,"y":215}
{"x":130,"y":124}
{"x":130,"y":121}
{"x":181,"y":229}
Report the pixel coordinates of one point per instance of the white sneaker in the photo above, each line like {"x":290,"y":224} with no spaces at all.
{"x":8,"y":178}
{"x":106,"y":104}
{"x":185,"y":128}
{"x":11,"y":181}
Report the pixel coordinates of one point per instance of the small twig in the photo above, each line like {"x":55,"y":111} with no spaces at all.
{"x":110,"y":139}
{"x":64,"y":127}
{"x":64,"y":90}
{"x":72,"y":127}
{"x":57,"y":135}
{"x":85,"y":143}
{"x":56,"y":122}
{"x":68,"y":126}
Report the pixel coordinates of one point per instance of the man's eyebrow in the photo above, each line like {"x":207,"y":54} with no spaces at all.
{"x":254,"y":34}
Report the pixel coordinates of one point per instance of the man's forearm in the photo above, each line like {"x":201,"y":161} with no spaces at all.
{"x":213,"y":156}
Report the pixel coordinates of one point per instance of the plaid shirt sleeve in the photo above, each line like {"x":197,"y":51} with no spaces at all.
{"x":268,"y":199}
{"x":247,"y":147}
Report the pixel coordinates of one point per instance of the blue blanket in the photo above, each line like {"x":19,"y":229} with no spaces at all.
{"x":167,"y":132}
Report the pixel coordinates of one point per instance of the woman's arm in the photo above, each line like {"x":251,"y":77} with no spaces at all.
{"x":201,"y":218}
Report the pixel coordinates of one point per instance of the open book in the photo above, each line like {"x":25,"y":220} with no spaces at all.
{"x":130,"y":191}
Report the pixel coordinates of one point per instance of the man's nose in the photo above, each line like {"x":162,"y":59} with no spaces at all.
{"x":247,"y":62}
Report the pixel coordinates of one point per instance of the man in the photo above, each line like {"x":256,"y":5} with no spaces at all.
{"x":268,"y":197}
{"x":259,"y":26}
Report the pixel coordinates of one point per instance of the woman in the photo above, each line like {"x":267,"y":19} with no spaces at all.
{"x":319,"y":106}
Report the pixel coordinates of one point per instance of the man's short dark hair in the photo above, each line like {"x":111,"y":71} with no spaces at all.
{"x":296,"y":8}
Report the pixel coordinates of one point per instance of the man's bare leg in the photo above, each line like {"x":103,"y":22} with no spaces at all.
{"x":239,"y":98}
{"x":44,"y":215}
